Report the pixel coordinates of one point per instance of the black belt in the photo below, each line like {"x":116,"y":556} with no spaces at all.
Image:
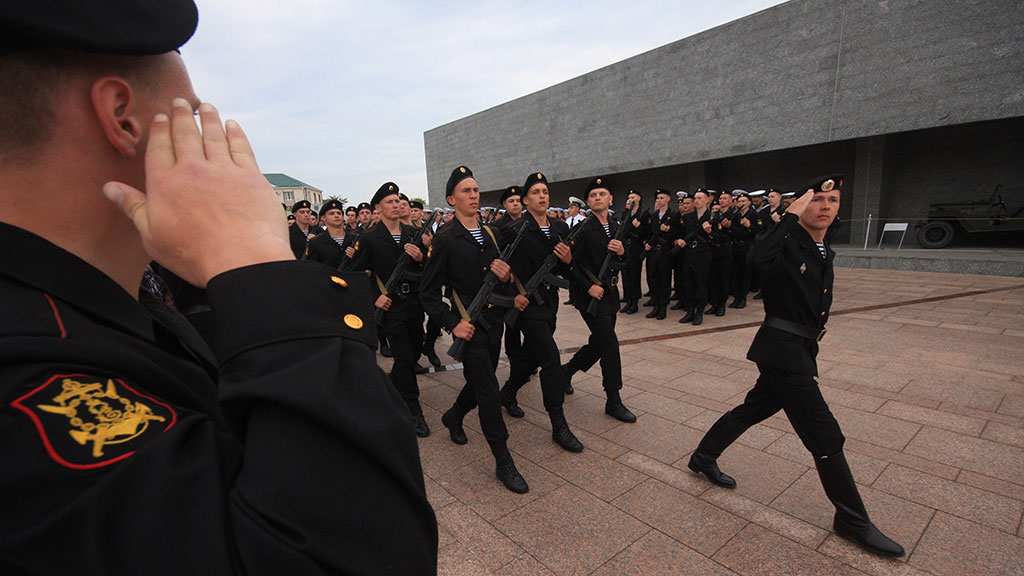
{"x":614,"y":280}
{"x":794,"y":328}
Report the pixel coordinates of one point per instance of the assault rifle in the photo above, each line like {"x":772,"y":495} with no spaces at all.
{"x":400,"y":267}
{"x":483,"y":295}
{"x":543,"y":274}
{"x":602,"y":276}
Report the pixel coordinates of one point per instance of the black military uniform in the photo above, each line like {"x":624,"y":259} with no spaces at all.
{"x":659,"y":258}
{"x":589,"y":251}
{"x":459,"y":265}
{"x":679,"y":260}
{"x":634,"y":243}
{"x":744,"y":229}
{"x":537,"y":321}
{"x":798,"y":296}
{"x":132,"y":447}
{"x":296,"y":236}
{"x":721,"y":258}
{"x":698,"y":263}
{"x":326,"y":249}
{"x":377,"y":251}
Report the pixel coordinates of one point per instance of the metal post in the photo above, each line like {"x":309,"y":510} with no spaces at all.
{"x":867,"y":232}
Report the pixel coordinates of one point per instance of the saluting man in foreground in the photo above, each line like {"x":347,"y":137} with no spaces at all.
{"x":797,"y":269}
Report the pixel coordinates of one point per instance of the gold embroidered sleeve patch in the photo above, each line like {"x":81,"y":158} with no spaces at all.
{"x":87,"y":422}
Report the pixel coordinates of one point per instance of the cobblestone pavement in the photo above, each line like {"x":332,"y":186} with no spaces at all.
{"x":924,"y":371}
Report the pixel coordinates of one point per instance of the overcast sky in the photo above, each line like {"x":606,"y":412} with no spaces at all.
{"x":338,"y":93}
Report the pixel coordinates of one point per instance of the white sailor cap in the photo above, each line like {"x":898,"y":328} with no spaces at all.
{"x":756,"y":193}
{"x":681,"y":194}
{"x":576,"y":201}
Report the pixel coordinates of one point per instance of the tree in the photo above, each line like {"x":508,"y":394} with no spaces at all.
{"x":344,"y":201}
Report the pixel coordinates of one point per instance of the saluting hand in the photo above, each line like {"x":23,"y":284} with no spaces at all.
{"x":800,"y":204}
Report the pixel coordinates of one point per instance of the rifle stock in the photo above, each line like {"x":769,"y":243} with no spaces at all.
{"x":602,"y":276}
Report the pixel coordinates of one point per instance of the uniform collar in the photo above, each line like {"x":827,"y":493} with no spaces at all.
{"x":36,"y":262}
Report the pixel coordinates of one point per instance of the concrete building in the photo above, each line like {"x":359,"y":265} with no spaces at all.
{"x":289,"y":191}
{"x":916,"y":102}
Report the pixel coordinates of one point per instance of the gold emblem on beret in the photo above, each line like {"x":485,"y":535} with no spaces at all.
{"x":462,"y":169}
{"x":828,"y":185}
{"x":539,"y":175}
{"x":598,"y":180}
{"x":390,"y":188}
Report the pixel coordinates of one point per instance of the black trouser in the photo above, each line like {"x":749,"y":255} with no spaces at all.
{"x":631,"y":275}
{"x":538,"y":337}
{"x":520,"y":361}
{"x":679,"y":273}
{"x":741,"y":270}
{"x":432,"y":333}
{"x":799,"y":396}
{"x":698,"y":268}
{"x":721,"y":273}
{"x":403,"y":326}
{"x":479,"y":361}
{"x":659,"y":275}
{"x":602,"y":345}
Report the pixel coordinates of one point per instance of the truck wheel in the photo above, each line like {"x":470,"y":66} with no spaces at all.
{"x":935,"y":235}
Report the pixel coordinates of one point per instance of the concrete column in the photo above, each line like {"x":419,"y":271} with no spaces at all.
{"x":867,"y":189}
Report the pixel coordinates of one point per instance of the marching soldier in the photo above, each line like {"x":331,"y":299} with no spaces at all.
{"x":329,"y":248}
{"x":299,"y":233}
{"x":797,"y":267}
{"x":590,"y":249}
{"x":696,"y":240}
{"x":659,"y":232}
{"x":462,"y":254}
{"x":378,"y":251}
{"x":744,"y":229}
{"x":536,"y":320}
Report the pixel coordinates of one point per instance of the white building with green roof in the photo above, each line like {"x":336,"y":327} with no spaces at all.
{"x":289,"y":191}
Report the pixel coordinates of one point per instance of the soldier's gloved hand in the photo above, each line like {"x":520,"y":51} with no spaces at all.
{"x":184,"y":170}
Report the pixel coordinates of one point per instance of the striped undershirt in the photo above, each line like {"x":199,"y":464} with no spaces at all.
{"x":546,"y":230}
{"x":478,"y":235}
{"x":397,"y":238}
{"x":607,"y":229}
{"x":821,"y":248}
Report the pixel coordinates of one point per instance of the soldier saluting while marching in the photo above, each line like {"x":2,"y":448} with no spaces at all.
{"x":797,"y":268}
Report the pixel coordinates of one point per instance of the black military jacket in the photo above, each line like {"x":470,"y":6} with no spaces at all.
{"x":797,"y":287}
{"x":377,"y":252}
{"x":654,"y":235}
{"x":129,"y":447}
{"x":589,"y":249}
{"x":697,"y":240}
{"x":326,"y":250}
{"x":530,"y":254}
{"x":457,"y":264}
{"x":298,"y":240}
{"x":743,"y":236}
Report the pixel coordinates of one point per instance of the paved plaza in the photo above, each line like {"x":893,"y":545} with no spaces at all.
{"x":924,"y":371}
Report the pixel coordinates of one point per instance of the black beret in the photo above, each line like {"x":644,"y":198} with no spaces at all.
{"x":599,"y":182}
{"x":416,"y":204}
{"x":822,"y":184}
{"x":511,"y":191}
{"x":773,"y":189}
{"x":386,"y":189}
{"x":661,"y":191}
{"x":130,"y":27}
{"x":300,"y":205}
{"x":331,"y":205}
{"x":458,"y":175}
{"x":534,"y":179}
{"x":351,"y":209}
{"x":402,"y":196}
{"x":700,"y":190}
{"x":364,"y":206}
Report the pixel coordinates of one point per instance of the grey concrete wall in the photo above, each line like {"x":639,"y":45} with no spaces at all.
{"x":803,"y":73}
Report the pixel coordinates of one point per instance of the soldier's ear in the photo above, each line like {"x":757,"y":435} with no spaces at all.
{"x":116,"y":108}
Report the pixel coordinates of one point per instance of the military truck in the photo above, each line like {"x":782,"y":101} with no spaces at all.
{"x":951,"y":220}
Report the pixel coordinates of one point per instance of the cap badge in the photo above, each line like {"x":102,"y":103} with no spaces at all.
{"x":598,"y":180}
{"x":828,"y":185}
{"x":390,"y":188}
{"x":462,"y":169}
{"x":539,"y":175}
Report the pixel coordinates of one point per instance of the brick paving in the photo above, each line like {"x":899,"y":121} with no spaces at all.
{"x":924,"y":371}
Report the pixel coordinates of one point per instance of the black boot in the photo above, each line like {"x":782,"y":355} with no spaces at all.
{"x":418,"y":369}
{"x":688,"y":318}
{"x":711,"y":309}
{"x":653,"y":313}
{"x":561,"y":434}
{"x":616,"y":409}
{"x":698,"y":316}
{"x":505,"y":470}
{"x":419,"y":425}
{"x":759,"y":295}
{"x":851,"y":520}
{"x":508,"y":400}
{"x":633,"y":307}
{"x":385,"y":350}
{"x":704,"y":460}
{"x":661,"y":312}
{"x":569,"y":372}
{"x":719,"y":310}
{"x":625,"y":306}
{"x":428,"y":351}
{"x":452,"y":420}
{"x":649,"y":303}
{"x":678,"y":305}
{"x":740,"y":302}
